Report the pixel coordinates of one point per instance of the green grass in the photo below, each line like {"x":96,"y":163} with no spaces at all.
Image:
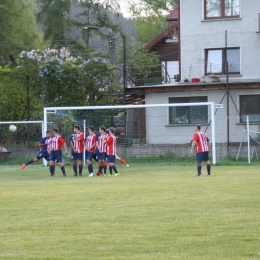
{"x":148,"y":212}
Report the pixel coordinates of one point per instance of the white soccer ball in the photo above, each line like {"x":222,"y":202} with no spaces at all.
{"x":12,"y":128}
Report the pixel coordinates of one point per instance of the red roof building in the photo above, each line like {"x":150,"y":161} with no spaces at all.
{"x":166,"y":43}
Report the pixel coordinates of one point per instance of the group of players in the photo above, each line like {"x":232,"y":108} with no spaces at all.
{"x":100,"y":147}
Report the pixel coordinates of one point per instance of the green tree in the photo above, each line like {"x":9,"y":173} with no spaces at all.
{"x":63,"y":80}
{"x":150,"y":17}
{"x":13,"y":99}
{"x":54,"y":18}
{"x":18,"y":29}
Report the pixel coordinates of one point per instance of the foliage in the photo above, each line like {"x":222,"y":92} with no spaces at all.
{"x":18,"y":29}
{"x":150,"y":17}
{"x":13,"y":99}
{"x":58,"y":23}
{"x":143,"y":65}
{"x":68,"y":81}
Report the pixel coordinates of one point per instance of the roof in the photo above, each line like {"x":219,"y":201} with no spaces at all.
{"x":159,"y":37}
{"x":174,"y":15}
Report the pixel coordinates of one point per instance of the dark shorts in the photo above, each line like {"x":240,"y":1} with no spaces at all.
{"x":56,"y":155}
{"x":204,"y":156}
{"x":45,"y":155}
{"x":89,"y":155}
{"x":102,"y":156}
{"x":76,"y":156}
{"x":111,"y":158}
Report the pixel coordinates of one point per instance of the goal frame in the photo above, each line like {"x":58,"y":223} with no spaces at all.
{"x":212,"y":106}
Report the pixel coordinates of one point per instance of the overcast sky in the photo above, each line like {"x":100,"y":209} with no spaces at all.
{"x":124,"y":9}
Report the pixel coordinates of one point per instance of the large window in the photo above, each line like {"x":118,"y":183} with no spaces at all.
{"x":188,"y":114}
{"x":221,"y":9}
{"x":216,"y":61}
{"x":250,"y":106}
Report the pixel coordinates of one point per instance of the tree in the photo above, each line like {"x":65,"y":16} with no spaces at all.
{"x":62,"y":22}
{"x":63,"y":80}
{"x":150,"y":17}
{"x":18,"y":29}
{"x":54,"y":16}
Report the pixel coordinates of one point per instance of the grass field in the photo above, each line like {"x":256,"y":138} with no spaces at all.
{"x":148,"y":212}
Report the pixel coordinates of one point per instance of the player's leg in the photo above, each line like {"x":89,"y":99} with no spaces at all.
{"x":80,"y":158}
{"x":122,"y":161}
{"x":47,"y":157}
{"x":74,"y":163}
{"x":199,"y":168}
{"x":105,"y":163}
{"x":74,"y":166}
{"x":207,"y":162}
{"x":199,"y":160}
{"x":59,"y":161}
{"x":39,"y":156}
{"x":89,"y":163}
{"x":100,"y":168}
{"x":52,"y":166}
{"x":111,"y":161}
{"x":52,"y":163}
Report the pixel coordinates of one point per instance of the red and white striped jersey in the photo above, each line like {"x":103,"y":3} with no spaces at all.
{"x":90,"y":140}
{"x":100,"y":143}
{"x":49,"y":141}
{"x":202,"y":142}
{"x":57,"y":142}
{"x":111,"y":145}
{"x":45,"y":148}
{"x":78,"y":144}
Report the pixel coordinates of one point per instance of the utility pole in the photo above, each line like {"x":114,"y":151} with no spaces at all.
{"x":227,"y":88}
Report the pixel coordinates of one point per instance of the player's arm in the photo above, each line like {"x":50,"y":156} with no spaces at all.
{"x":72,"y":146}
{"x":42,"y":143}
{"x":209,"y":146}
{"x":193,"y":144}
{"x":65,"y":148}
{"x":79,"y":138}
{"x":107,"y":140}
{"x":97,"y":146}
{"x":94,"y":143}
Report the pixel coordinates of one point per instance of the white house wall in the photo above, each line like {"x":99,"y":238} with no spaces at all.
{"x":198,"y":34}
{"x":158,"y":130}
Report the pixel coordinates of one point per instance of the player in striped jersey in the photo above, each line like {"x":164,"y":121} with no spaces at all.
{"x":90,"y":144}
{"x":56,"y":154}
{"x":76,"y":144}
{"x":203,"y":149}
{"x":101,"y":148}
{"x":44,"y":150}
{"x":110,"y":141}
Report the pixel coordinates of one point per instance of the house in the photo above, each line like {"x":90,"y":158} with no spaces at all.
{"x":166,"y":46}
{"x":214,"y":35}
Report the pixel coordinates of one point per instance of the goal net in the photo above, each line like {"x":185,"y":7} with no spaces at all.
{"x":160,"y":133}
{"x":17,"y":147}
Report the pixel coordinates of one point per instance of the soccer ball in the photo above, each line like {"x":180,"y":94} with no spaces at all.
{"x":12,"y":128}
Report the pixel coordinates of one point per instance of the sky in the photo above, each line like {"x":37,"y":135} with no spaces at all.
{"x":124,"y":9}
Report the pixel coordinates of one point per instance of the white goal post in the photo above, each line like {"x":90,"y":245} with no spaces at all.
{"x":154,"y":114}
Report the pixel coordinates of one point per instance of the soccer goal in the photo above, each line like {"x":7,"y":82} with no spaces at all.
{"x":20,"y":143}
{"x":145,"y":133}
{"x":251,"y":139}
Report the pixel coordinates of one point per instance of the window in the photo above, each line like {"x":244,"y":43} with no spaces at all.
{"x":250,"y":106}
{"x":216,"y":61}
{"x":221,"y":9}
{"x":188,"y":114}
